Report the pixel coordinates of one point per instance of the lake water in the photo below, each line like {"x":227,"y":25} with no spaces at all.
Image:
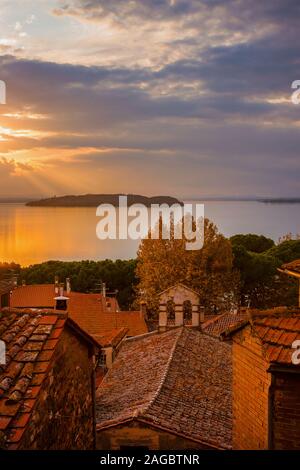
{"x":35,"y":234}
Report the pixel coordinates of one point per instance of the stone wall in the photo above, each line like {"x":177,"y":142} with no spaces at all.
{"x":63,"y":415}
{"x":251,"y":385}
{"x":138,"y":434}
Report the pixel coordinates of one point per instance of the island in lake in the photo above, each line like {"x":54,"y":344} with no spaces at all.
{"x":94,"y":200}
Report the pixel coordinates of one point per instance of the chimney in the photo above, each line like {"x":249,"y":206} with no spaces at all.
{"x":56,"y":285}
{"x":61,"y":303}
{"x":104,"y":289}
{"x":61,"y":289}
{"x":143,"y":310}
{"x":68,"y":285}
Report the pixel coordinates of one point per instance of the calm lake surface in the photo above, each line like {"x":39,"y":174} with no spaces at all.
{"x":35,"y":234}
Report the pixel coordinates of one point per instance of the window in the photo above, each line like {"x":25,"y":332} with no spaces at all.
{"x":171,"y":309}
{"x":102,"y":360}
{"x":187,"y":310}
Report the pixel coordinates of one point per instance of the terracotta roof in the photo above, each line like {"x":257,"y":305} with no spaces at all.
{"x":33,"y":296}
{"x":221,"y":323}
{"x":31,"y":339}
{"x":179,"y":381}
{"x":90,"y":311}
{"x":42,"y":296}
{"x":294,"y":266}
{"x":133,"y":320}
{"x":276,"y":328}
{"x":112,"y":337}
{"x":277,"y":333}
{"x":102,"y":323}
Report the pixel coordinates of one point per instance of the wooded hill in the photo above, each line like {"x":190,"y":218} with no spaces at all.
{"x":94,"y":200}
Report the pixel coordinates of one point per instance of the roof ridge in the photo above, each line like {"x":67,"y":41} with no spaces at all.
{"x":142,"y":336}
{"x":34,"y":311}
{"x":164,"y":376}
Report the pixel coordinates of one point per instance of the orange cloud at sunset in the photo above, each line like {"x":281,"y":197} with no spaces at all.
{"x":179,"y":101}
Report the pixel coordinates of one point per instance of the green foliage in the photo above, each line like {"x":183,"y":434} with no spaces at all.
{"x":261,"y":284}
{"x":86,"y":276}
{"x":161,"y":264}
{"x":286,"y":251}
{"x":252,"y":242}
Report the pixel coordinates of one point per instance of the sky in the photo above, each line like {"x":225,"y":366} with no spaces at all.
{"x":187,"y":98}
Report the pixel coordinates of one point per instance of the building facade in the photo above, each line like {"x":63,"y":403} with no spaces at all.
{"x":266,"y":382}
{"x":47,"y":384}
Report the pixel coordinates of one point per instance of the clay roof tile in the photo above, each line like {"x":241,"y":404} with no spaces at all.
{"x":25,"y":334}
{"x":282,"y":329}
{"x":176,"y":391}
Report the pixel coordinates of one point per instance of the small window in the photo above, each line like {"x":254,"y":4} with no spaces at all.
{"x":171,"y":309}
{"x":102,"y":360}
{"x":187,"y":310}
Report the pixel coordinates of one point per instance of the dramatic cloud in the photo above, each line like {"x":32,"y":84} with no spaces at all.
{"x":183,"y":97}
{"x":121,"y":11}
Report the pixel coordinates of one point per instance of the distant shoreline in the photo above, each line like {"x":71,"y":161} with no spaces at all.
{"x":280,"y":201}
{"x":106,"y":198}
{"x":261,"y":200}
{"x":94,"y":200}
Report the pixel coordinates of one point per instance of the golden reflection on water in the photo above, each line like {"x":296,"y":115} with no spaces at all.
{"x":34,"y":234}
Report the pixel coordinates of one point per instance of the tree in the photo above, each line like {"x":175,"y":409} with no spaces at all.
{"x":252,"y":242}
{"x":286,"y":251}
{"x":261,"y":284}
{"x":87,"y":275}
{"x":163,"y":263}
